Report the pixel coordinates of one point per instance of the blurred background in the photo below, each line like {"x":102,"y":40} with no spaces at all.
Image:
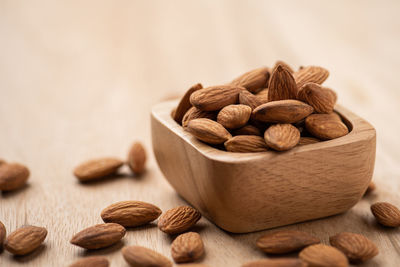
{"x":79,"y":77}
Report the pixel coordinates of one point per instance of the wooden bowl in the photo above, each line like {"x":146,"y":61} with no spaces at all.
{"x":245,"y":192}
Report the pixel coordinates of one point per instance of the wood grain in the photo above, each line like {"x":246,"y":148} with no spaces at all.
{"x":78,"y":80}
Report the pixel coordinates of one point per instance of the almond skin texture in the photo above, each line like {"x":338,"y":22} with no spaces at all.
{"x":184,"y":105}
{"x":25,"y":240}
{"x":386,"y":214}
{"x":253,"y":80}
{"x":325,"y":126}
{"x":282,"y":137}
{"x":321,"y":99}
{"x":178,"y":220}
{"x":187,"y":247}
{"x":247,"y":130}
{"x":94,"y":261}
{"x":215,"y":97}
{"x":99,"y":236}
{"x":310,"y":74}
{"x":234,"y":116}
{"x":246,"y":144}
{"x":323,"y":256}
{"x":307,"y":141}
{"x":253,"y":101}
{"x":285,"y":241}
{"x":356,"y":247}
{"x":282,"y":85}
{"x":13,"y":176}
{"x":138,"y":256}
{"x":282,"y":111}
{"x":283,"y":64}
{"x":208,"y":131}
{"x":137,"y":158}
{"x":130,"y":213}
{"x":282,"y":262}
{"x":3,"y":233}
{"x":97,"y":168}
{"x":195,"y":113}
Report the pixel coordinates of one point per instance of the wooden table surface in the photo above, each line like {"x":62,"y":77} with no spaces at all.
{"x":78,"y":80}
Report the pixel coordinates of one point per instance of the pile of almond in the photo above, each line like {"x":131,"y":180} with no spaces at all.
{"x":263,"y":109}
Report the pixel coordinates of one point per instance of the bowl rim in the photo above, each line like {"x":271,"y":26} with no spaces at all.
{"x":360,"y":130}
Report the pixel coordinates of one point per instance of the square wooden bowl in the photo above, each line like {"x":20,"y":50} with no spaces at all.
{"x":245,"y":192}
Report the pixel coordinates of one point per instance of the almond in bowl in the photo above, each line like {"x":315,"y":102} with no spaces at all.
{"x":297,"y":157}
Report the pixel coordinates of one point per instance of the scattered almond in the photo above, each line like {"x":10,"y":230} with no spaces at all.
{"x":195,"y":113}
{"x":94,"y":261}
{"x":247,"y":130}
{"x":208,"y":131}
{"x":178,"y":220}
{"x":285,"y":241}
{"x":356,"y":247}
{"x":13,"y":176}
{"x":138,"y":256}
{"x":323,"y":256}
{"x":253,"y":101}
{"x":97,"y":168}
{"x":3,"y":233}
{"x":310,"y":74}
{"x":325,"y":126}
{"x":130,"y":213}
{"x":386,"y":214}
{"x":282,"y":262}
{"x":2,"y":161}
{"x":25,"y":240}
{"x":215,"y":97}
{"x":246,"y":143}
{"x":308,"y":141}
{"x":137,"y":158}
{"x":282,"y":111}
{"x":282,"y":137}
{"x":99,"y":236}
{"x":234,"y":116}
{"x":281,"y":85}
{"x":187,"y":247}
{"x":184,"y":105}
{"x":321,"y":99}
{"x":253,"y":80}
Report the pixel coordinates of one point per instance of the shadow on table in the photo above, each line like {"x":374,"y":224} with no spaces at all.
{"x":31,"y":256}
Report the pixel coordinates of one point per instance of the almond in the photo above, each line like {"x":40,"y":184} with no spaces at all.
{"x":282,"y":111}
{"x":184,"y":105}
{"x":282,"y":85}
{"x":25,"y":240}
{"x":308,"y":141}
{"x":282,"y":137}
{"x":323,"y":256}
{"x":246,"y":143}
{"x":253,"y":101}
{"x":234,"y":116}
{"x":3,"y":233}
{"x":283,"y":64}
{"x":386,"y":214}
{"x":285,"y":241}
{"x":215,"y":97}
{"x":137,"y":158}
{"x":321,"y":99}
{"x":195,"y":113}
{"x":247,"y":130}
{"x":356,"y":247}
{"x":326,"y":126}
{"x":187,"y":247}
{"x":208,"y":131}
{"x":282,"y":262}
{"x":99,"y":236}
{"x":97,"y":168}
{"x":138,"y":256}
{"x":13,"y":176}
{"x":2,"y":161}
{"x":94,"y":261}
{"x":178,"y":220}
{"x":253,"y":80}
{"x":310,"y":74}
{"x":130,"y":213}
